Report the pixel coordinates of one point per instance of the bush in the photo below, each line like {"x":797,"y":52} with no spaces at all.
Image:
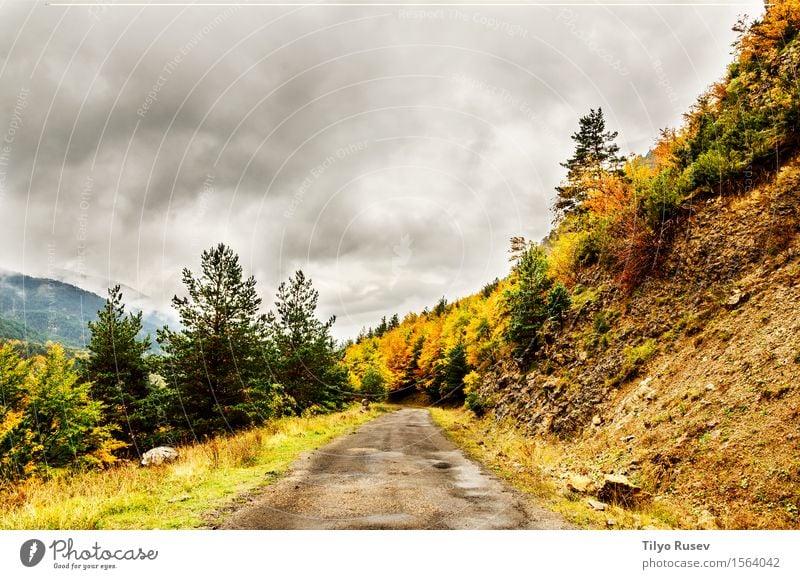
{"x":48,"y":419}
{"x":373,"y":385}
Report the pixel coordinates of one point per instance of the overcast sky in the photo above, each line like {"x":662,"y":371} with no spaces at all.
{"x":388,"y":152}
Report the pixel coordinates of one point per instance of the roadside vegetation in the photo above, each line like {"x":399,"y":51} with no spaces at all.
{"x":206,"y":480}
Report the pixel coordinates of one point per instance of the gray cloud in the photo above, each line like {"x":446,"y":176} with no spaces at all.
{"x":388,"y":152}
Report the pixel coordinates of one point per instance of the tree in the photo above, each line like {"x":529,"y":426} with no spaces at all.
{"x":373,"y":384}
{"x":595,"y":154}
{"x":526,"y":300}
{"x":558,"y":301}
{"x":216,"y":359}
{"x":302,"y":354}
{"x":454,"y":370}
{"x":51,"y":422}
{"x":118,"y":370}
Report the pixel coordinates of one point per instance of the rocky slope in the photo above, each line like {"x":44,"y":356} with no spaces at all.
{"x":688,"y":386}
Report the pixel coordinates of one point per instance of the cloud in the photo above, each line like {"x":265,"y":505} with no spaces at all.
{"x":318,"y":138}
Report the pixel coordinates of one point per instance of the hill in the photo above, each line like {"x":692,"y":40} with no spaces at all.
{"x":655,"y":336}
{"x":39,"y":309}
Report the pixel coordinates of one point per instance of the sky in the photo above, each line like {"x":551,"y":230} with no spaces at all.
{"x":389,"y":152}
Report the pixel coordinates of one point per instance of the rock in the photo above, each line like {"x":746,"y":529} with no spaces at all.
{"x":159,"y":455}
{"x":628,"y":438}
{"x":581,"y":484}
{"x":596,"y":505}
{"x":618,"y":489}
{"x":736,"y":299}
{"x":710,"y":387}
{"x":365,"y":402}
{"x":596,"y":420}
{"x":611,"y":523}
{"x":707,"y":521}
{"x":179,"y":499}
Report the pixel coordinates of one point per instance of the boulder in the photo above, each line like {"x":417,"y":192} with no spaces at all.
{"x":581,"y":484}
{"x":736,"y":299}
{"x":159,"y":455}
{"x":365,"y":403}
{"x":596,"y":420}
{"x":596,"y":505}
{"x":618,"y":489}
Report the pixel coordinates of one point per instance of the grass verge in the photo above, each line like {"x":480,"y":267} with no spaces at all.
{"x":207,"y":477}
{"x":537,"y":468}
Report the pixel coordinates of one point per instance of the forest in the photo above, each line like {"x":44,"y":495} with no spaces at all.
{"x":228,"y":367}
{"x":614,"y":217}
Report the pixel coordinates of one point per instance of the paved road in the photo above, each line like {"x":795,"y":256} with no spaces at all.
{"x":395,"y":472}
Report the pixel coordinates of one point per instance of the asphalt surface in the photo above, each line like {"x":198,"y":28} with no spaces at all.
{"x":395,"y":472}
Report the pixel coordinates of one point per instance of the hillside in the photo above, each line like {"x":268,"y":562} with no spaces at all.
{"x":40,"y":309}
{"x":693,"y":393}
{"x":655,"y":336}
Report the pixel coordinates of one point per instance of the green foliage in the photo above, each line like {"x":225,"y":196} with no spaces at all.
{"x":595,"y":154}
{"x":300,"y":351}
{"x":558,"y":301}
{"x":490,"y":288}
{"x":601,"y":323}
{"x":449,"y":380}
{"x":527,"y":300}
{"x":216,"y":360}
{"x":119,"y":373}
{"x":373,"y":385}
{"x":47,"y":418}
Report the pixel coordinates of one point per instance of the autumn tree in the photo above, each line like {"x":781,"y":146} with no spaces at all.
{"x":47,"y":418}
{"x":596,"y":153}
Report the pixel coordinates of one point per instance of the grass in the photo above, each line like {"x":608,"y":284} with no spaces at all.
{"x":536,"y":466}
{"x":183,"y":495}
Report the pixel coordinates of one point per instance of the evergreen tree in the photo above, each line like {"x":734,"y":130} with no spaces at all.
{"x":558,"y":301}
{"x":302,"y":352}
{"x":455,"y":368}
{"x":216,"y":359}
{"x":382,"y":327}
{"x":373,"y":385}
{"x":118,"y":370}
{"x":527,"y":300}
{"x":595,"y":154}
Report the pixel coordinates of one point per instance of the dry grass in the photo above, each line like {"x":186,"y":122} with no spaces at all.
{"x":539,"y":467}
{"x":206,"y":477}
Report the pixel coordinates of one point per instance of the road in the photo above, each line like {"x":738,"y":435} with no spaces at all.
{"x":395,"y":472}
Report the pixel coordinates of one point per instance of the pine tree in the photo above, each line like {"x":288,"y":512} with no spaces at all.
{"x":216,"y":360}
{"x":527,"y":300}
{"x":302,"y":352}
{"x":118,"y":370}
{"x":595,"y":154}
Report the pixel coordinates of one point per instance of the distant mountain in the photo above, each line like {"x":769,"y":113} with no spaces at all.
{"x":40,"y":309}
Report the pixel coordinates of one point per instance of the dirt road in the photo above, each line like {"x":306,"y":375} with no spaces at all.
{"x":396,"y":472}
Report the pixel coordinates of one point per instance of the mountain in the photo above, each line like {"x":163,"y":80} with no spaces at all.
{"x":39,"y":309}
